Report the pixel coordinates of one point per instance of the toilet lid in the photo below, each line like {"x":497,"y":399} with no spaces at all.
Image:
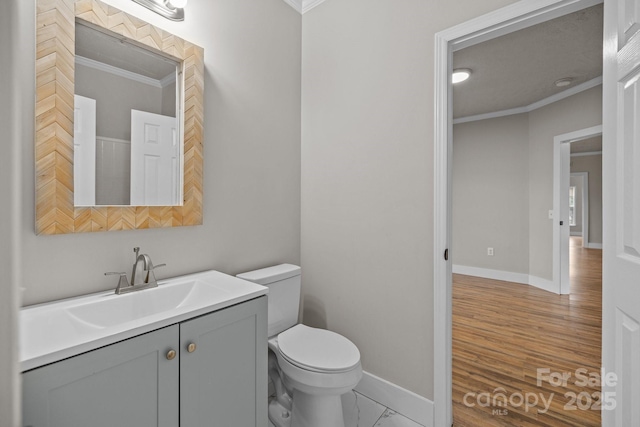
{"x":318,"y":349}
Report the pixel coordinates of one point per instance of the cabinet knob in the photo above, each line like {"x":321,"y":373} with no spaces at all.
{"x":171,"y":354}
{"x":191,"y":347}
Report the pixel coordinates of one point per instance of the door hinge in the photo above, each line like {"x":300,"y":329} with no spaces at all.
{"x":561,"y":222}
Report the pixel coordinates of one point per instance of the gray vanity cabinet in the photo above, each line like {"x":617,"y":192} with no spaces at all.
{"x":223,"y":383}
{"x":217,"y":377}
{"x":130,"y":383}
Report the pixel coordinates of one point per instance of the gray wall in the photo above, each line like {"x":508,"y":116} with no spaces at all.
{"x":490,"y":194}
{"x":251,"y":158}
{"x":169,"y":100}
{"x":12,"y":125}
{"x":522,"y":141}
{"x":115,"y":97}
{"x":577,"y":112}
{"x":367,"y":162}
{"x":113,"y":172}
{"x":593,"y":165}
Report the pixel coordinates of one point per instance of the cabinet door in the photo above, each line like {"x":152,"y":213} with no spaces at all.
{"x":223,"y":382}
{"x":131,"y":383}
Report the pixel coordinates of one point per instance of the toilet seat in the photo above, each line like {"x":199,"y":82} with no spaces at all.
{"x":318,"y":350}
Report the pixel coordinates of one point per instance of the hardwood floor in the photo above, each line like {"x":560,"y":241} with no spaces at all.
{"x":503,"y":333}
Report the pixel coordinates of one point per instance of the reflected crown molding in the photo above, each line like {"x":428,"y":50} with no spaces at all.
{"x":97,"y":65}
{"x":303,"y":6}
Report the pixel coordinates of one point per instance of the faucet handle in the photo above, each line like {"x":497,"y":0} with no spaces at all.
{"x":122,"y":283}
{"x":151,"y":277}
{"x":113,"y":273}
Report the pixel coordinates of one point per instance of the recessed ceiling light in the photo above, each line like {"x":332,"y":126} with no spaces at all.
{"x":460,"y":75}
{"x":564,"y":82}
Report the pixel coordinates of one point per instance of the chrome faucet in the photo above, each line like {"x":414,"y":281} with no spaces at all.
{"x":140,"y":279}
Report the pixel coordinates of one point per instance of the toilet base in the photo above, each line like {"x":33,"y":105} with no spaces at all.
{"x":308,"y":411}
{"x":278,"y":414}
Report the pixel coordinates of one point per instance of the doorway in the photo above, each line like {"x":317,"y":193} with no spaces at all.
{"x":501,"y":22}
{"x":561,"y":226}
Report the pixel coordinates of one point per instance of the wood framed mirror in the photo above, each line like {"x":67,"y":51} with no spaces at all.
{"x":55,"y":112}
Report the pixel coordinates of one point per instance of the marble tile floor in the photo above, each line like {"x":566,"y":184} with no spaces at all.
{"x":360,"y":411}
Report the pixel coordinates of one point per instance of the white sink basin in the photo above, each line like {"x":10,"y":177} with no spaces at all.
{"x":54,"y":331}
{"x":125,"y":308}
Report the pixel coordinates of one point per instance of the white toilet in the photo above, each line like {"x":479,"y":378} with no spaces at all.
{"x":310,"y":368}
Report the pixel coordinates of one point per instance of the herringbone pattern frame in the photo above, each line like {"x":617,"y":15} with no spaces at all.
{"x":55,"y":57}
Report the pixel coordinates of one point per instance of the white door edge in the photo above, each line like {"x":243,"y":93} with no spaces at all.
{"x":502,"y":21}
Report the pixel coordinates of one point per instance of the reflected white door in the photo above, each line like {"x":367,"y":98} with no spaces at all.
{"x":621,"y":211}
{"x":155,"y":160}
{"x":84,"y":151}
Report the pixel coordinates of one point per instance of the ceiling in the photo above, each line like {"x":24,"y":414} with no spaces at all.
{"x":590,"y":145}
{"x":520,"y":68}
{"x":98,"y":46}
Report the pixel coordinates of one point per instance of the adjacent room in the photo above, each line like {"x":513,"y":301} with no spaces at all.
{"x":510,"y":316}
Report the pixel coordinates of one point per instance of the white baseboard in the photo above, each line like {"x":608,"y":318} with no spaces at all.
{"x":507,"y":276}
{"x":543,"y":284}
{"x":488,"y":273}
{"x":403,"y":401}
{"x":594,"y":245}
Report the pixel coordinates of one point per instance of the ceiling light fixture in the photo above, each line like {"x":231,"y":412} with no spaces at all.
{"x":460,"y":75}
{"x":564,"y":82}
{"x":170,"y":9}
{"x":178,"y":4}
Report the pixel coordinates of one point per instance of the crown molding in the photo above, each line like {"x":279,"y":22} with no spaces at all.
{"x":303,"y":6}
{"x":307,"y":5}
{"x":296,"y":4}
{"x":167,"y":80}
{"x":81,"y":60}
{"x":539,"y":104}
{"x":588,"y":153}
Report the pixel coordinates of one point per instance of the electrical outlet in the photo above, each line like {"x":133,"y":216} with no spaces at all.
{"x":490,"y":251}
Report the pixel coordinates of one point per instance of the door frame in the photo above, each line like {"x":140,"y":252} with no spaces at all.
{"x":511,"y":18}
{"x":561,"y":173}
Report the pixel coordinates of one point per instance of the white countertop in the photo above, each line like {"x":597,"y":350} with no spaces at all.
{"x":57,"y":330}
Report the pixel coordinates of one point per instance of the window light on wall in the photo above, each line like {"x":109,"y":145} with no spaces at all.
{"x":572,"y":206}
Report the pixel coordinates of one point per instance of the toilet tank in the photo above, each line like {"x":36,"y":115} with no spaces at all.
{"x":283,"y":304}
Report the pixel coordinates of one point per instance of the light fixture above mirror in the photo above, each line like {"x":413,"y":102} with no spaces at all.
{"x":170,"y":9}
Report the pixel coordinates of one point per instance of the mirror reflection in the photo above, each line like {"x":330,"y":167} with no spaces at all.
{"x":127,"y":138}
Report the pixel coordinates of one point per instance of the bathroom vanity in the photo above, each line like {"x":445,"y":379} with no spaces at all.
{"x":191,"y":352}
